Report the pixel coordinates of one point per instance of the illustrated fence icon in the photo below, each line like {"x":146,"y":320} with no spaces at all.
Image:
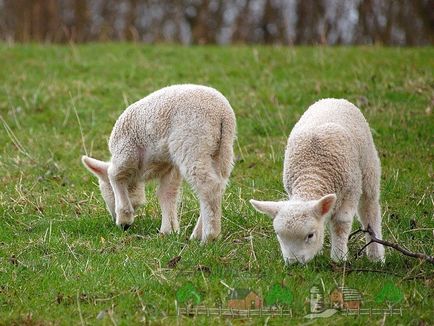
{"x":373,"y":311}
{"x":229,"y":312}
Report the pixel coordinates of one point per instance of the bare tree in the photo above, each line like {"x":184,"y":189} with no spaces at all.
{"x":404,"y":22}
{"x":310,"y":18}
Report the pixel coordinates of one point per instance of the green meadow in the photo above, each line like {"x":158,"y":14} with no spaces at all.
{"x":63,"y":261}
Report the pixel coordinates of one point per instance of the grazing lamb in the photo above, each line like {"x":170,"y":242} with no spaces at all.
{"x":331,"y":169}
{"x":179,"y":131}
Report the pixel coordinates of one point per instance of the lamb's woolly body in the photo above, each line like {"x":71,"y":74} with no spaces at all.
{"x":329,"y":151}
{"x":174,"y":125}
{"x":178,"y":131}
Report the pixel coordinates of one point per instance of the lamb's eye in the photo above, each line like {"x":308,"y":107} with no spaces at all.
{"x":310,"y":236}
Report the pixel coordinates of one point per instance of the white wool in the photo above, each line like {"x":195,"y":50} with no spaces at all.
{"x":181,"y":131}
{"x":330,"y":151}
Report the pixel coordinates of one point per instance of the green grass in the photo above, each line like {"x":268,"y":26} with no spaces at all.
{"x":63,"y":261}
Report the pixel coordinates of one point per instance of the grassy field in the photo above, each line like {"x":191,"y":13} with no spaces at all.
{"x":63,"y":261}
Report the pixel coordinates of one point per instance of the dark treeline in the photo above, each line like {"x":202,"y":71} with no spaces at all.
{"x":390,"y":22}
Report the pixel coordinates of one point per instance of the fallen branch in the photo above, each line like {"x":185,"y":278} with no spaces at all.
{"x":390,"y":244}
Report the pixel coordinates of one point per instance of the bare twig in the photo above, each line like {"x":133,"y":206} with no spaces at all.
{"x":359,"y":253}
{"x":395,"y":246}
{"x":354,"y":233}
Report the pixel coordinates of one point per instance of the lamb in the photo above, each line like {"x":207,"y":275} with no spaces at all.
{"x":181,"y":131}
{"x":331,"y":170}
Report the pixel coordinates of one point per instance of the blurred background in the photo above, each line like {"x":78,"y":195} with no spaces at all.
{"x":284,"y":22}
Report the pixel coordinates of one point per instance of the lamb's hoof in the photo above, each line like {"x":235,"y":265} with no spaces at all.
{"x":209,"y":237}
{"x":376,"y":258}
{"x":164,"y":231}
{"x":339,"y":258}
{"x":375,"y":253}
{"x":194,"y":236}
{"x":169,"y":228}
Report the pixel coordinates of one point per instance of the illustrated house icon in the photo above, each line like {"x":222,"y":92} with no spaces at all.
{"x":345,"y":298}
{"x":316,"y":299}
{"x":244,"y":299}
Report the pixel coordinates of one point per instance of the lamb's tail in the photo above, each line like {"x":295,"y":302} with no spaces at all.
{"x":225,"y":154}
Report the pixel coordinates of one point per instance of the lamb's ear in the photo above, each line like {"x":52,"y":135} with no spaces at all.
{"x":325,"y":205}
{"x":98,"y":168}
{"x":271,"y":208}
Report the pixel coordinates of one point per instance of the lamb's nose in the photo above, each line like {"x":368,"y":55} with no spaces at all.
{"x":125,"y":226}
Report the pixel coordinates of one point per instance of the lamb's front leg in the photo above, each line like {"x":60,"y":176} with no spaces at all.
{"x":197,"y":231}
{"x":167,"y":194}
{"x":340,"y":229}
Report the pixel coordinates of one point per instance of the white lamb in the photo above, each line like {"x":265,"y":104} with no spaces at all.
{"x":331,"y":170}
{"x":178,"y":131}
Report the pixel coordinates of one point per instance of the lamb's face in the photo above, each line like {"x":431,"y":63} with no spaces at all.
{"x":300,"y":232}
{"x":136,"y":193}
{"x":136,"y":190}
{"x":299,"y":226}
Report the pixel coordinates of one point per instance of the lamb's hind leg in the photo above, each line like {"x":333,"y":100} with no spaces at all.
{"x":369,"y":210}
{"x":220,"y":186}
{"x":370,"y":214}
{"x":209,"y":188}
{"x":167,"y":194}
{"x":210,"y":195}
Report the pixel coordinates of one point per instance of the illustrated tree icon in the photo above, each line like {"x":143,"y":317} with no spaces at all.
{"x":188,"y":295}
{"x":390,"y":294}
{"x":278,"y":296}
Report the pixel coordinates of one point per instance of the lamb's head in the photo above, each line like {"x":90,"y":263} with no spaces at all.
{"x":136,"y":191}
{"x":299,"y":225}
